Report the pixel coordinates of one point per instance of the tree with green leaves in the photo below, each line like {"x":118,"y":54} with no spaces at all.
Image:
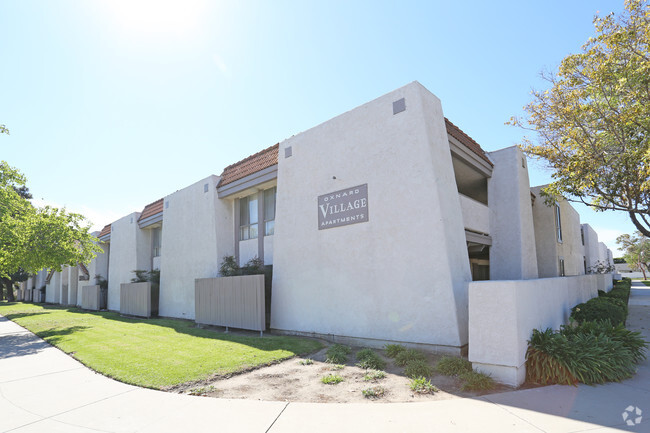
{"x":593,"y":123}
{"x":637,"y":251}
{"x":33,"y":238}
{"x":4,"y":130}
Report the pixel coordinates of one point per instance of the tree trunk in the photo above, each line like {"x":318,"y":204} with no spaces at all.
{"x":9,"y":288}
{"x":638,"y":225}
{"x":643,"y":266}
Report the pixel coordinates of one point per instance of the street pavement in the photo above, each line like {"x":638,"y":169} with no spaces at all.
{"x":44,"y":390}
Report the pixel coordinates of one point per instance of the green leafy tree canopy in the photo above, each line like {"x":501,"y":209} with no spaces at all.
{"x":593,"y":123}
{"x":637,"y":251}
{"x":34,"y":238}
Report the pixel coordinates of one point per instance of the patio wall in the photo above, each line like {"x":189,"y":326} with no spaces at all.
{"x":503,"y":314}
{"x":236,"y":302}
{"x":138,"y":299}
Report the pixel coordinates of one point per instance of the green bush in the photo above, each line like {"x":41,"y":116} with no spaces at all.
{"x":409,"y":355}
{"x":475,"y":381}
{"x":392,"y":350}
{"x":633,"y":341}
{"x":622,"y":293}
{"x":593,"y":352}
{"x":338,"y":354}
{"x":331,"y":379}
{"x":598,"y":309}
{"x":372,"y":375}
{"x":613,"y":300}
{"x":369,"y":359}
{"x":452,"y":366}
{"x":374,"y":392}
{"x":418,"y":368}
{"x":422,"y":386}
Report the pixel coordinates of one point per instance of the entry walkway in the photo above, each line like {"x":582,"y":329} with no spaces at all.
{"x":44,"y":390}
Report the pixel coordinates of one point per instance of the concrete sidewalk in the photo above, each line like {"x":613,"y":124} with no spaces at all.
{"x":44,"y":390}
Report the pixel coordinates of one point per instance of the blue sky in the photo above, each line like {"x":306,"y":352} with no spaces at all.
{"x":114,"y":104}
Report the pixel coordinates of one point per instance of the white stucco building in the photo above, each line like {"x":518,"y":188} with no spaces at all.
{"x":375,"y":223}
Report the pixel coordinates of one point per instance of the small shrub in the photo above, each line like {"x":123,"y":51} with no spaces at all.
{"x":146,"y":276}
{"x":633,"y":341}
{"x":422,"y":386}
{"x":338,"y":354}
{"x":452,"y":366}
{"x":203,"y":390}
{"x":372,"y":375}
{"x":254,"y":266}
{"x":337,"y":367}
{"x":590,"y":354}
{"x":418,"y":368}
{"x":408,"y":355}
{"x":392,"y":350}
{"x":307,"y":361}
{"x":596,"y":309}
{"x":374,"y":392}
{"x":369,"y":359}
{"x":331,"y":379}
{"x":229,"y":267}
{"x":99,"y":280}
{"x":475,"y":381}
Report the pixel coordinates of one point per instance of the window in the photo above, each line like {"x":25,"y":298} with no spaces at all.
{"x":582,"y":234}
{"x":269,"y":211}
{"x":562,"y":274}
{"x":248,"y":217}
{"x":156,"y":241}
{"x":584,"y":261}
{"x":558,"y":223}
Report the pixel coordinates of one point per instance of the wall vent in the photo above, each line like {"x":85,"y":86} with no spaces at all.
{"x":399,"y":106}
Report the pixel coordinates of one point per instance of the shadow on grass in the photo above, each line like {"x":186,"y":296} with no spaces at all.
{"x":21,"y":315}
{"x":297,"y":345}
{"x":53,"y":336}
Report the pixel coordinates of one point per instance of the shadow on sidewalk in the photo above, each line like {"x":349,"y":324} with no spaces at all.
{"x":20,"y":345}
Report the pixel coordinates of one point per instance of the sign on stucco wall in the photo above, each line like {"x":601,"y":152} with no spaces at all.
{"x":340,"y":208}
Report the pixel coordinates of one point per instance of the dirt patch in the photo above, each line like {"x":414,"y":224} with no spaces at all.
{"x":299,"y":380}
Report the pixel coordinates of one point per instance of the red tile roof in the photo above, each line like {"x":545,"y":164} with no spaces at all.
{"x":254,"y":163}
{"x":105,"y":231}
{"x":151,"y":209}
{"x":465,"y":139}
{"x":269,"y":157}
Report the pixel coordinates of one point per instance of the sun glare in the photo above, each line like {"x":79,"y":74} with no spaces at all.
{"x":157,"y":17}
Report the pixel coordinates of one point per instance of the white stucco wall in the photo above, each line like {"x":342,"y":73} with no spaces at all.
{"x":604,"y":254}
{"x":571,"y":247}
{"x":247,"y":250}
{"x":73,"y":283}
{"x":268,"y":250}
{"x":197,"y":232}
{"x":503,"y":314}
{"x":53,"y":289}
{"x":513,"y":253}
{"x":591,"y":249}
{"x":476,"y":216}
{"x":130,"y":249}
{"x":549,"y":250}
{"x":401,"y":276}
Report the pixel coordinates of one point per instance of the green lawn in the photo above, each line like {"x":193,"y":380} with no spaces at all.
{"x":155,"y":353}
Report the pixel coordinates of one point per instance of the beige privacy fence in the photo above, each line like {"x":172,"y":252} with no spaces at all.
{"x":90,"y":296}
{"x":235,"y":302}
{"x":139,"y":299}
